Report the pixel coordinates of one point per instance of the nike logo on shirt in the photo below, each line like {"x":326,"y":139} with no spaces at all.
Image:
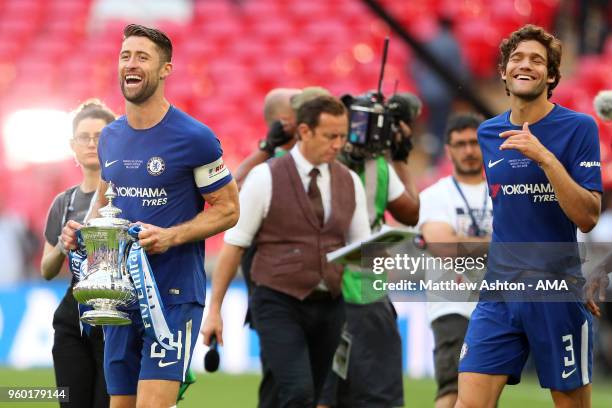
{"x":163,"y":364}
{"x":108,"y":164}
{"x":491,"y":164}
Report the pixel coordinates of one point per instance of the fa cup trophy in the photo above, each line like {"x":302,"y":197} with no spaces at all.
{"x":105,"y":283}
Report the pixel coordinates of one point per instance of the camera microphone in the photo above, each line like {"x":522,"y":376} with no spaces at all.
{"x":211,"y":358}
{"x":603,"y":104}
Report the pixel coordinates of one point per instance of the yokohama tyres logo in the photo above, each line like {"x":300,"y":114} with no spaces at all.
{"x":540,"y":192}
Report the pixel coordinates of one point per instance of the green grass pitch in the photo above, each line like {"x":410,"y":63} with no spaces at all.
{"x":240,"y":391}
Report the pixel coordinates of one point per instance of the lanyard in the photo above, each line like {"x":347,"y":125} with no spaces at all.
{"x":70,"y":207}
{"x":73,"y":256}
{"x":475,"y":224}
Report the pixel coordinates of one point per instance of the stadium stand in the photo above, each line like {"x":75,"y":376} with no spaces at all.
{"x":230,"y":53}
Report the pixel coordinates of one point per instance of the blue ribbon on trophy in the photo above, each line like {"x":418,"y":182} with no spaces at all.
{"x":149,"y":299}
{"x":77,"y":263}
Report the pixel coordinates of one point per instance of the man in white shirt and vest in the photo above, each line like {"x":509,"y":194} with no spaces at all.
{"x":296,"y":208}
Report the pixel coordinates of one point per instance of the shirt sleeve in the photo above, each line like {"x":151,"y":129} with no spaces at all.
{"x":54,"y":219}
{"x":206,"y":156}
{"x":395,"y":188}
{"x":359,"y":229}
{"x":101,"y":154}
{"x":433,"y":207}
{"x":585,"y":165}
{"x":255,"y":196}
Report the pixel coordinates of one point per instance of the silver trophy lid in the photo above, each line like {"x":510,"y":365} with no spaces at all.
{"x":109,"y":212}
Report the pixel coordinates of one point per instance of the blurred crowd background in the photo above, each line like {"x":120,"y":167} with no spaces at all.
{"x":228,"y":54}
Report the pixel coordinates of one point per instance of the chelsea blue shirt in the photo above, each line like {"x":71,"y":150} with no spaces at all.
{"x":525,"y":207}
{"x":160,"y":175}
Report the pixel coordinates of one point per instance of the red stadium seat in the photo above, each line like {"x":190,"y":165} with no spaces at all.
{"x":313,"y":10}
{"x":275,"y":32}
{"x":24,"y":8}
{"x":254,"y":12}
{"x":479,"y":41}
{"x":18,"y":31}
{"x":211,"y":10}
{"x":9,"y":49}
{"x":594,"y":74}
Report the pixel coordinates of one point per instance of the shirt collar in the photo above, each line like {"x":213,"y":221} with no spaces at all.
{"x":303,"y":165}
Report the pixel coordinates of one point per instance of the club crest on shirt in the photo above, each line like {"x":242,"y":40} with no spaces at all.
{"x":156,"y":166}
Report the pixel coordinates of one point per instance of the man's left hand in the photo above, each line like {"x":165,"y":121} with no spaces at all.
{"x":596,"y":284}
{"x":401,"y":144}
{"x":525,"y":142}
{"x":155,"y":240}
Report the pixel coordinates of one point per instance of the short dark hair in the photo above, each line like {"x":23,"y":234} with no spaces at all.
{"x":535,"y":33}
{"x":161,"y":40}
{"x":94,"y":109}
{"x":310,"y":111}
{"x":462,"y":121}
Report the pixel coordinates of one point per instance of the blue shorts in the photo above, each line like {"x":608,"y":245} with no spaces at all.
{"x":501,"y":335}
{"x":130,"y":356}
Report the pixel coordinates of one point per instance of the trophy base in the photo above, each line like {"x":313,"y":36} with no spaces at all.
{"x":106,"y":317}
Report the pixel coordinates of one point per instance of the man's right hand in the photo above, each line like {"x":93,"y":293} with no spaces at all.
{"x":212,"y":325}
{"x":68,"y":237}
{"x":277,"y":136}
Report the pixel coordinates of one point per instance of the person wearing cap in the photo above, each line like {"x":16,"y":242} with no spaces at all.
{"x":296,"y":208}
{"x":280,"y":119}
{"x":372,"y":339}
{"x":280,"y":106}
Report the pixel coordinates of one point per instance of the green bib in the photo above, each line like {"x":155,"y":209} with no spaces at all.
{"x":357,"y":287}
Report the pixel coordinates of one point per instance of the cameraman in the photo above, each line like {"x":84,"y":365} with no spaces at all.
{"x":375,"y":343}
{"x":280,"y":106}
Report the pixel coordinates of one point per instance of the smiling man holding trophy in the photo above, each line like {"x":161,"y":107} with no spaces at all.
{"x":164,"y":165}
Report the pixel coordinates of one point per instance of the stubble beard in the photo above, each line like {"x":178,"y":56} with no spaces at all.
{"x":146,"y":91}
{"x":466,"y":170}
{"x":530,"y":96}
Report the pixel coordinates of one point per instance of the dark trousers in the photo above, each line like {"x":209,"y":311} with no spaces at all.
{"x":375,"y":362}
{"x":268,"y":391}
{"x":297,"y":341}
{"x":78,"y":359}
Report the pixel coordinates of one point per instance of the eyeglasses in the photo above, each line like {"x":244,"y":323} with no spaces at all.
{"x":462,"y":145}
{"x":83,"y":140}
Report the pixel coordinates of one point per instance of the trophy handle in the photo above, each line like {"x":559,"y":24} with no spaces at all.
{"x":83,"y":269}
{"x":126,"y":254}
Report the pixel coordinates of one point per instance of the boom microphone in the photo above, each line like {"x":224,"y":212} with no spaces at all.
{"x":211,"y":358}
{"x":603,"y":104}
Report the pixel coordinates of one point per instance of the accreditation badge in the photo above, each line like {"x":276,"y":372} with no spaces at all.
{"x":343,"y":353}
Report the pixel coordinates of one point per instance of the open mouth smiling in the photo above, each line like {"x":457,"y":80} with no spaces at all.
{"x":523,"y":77}
{"x":132,"y":79}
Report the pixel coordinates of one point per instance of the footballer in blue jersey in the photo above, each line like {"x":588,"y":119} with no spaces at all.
{"x":164,"y":165}
{"x":542,"y":166}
